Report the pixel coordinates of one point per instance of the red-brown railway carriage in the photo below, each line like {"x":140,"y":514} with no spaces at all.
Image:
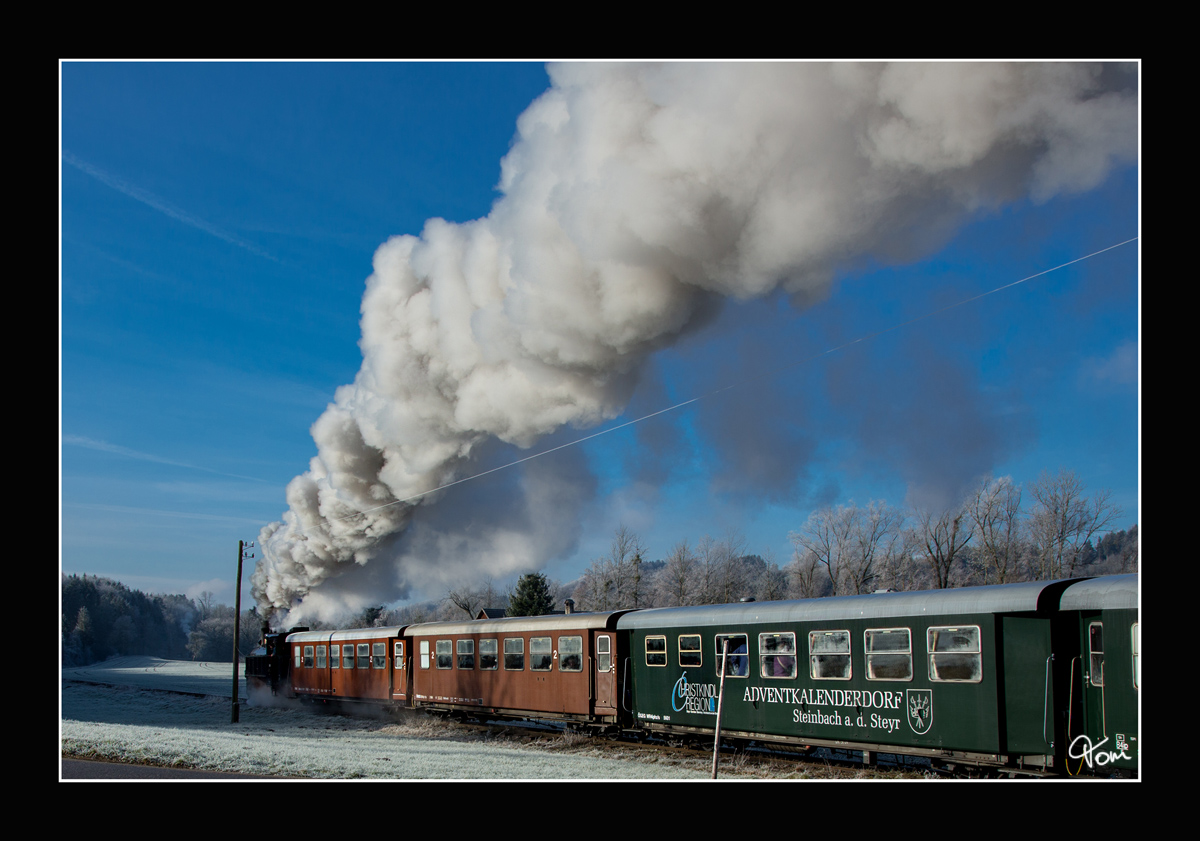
{"x":367,"y":664}
{"x":563,"y":666}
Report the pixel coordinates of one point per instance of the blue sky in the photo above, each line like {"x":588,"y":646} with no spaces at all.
{"x":218,"y":222}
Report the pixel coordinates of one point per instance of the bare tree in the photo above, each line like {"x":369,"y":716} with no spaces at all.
{"x":587,"y":593}
{"x":828,"y":537}
{"x":804,"y":570}
{"x":943,"y":534}
{"x":729,"y":579}
{"x":896,"y":568}
{"x":614,"y":581}
{"x":491,"y":595}
{"x":675,"y":583}
{"x":413,"y":614}
{"x":875,"y":532}
{"x":995,"y":512}
{"x":1064,"y":520}
{"x":707,"y":562}
{"x":773,"y":585}
{"x":1129,"y":555}
{"x":207,"y":602}
{"x":466,"y":599}
{"x":625,"y":566}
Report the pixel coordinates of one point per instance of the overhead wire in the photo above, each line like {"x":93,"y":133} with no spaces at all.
{"x":770,"y":374}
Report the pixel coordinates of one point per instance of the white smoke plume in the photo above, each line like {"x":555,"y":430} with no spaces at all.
{"x":635,"y":197}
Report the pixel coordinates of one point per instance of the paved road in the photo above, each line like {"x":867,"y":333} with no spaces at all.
{"x":86,"y":769}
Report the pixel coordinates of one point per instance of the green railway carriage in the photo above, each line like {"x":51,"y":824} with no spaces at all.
{"x":965,"y":673}
{"x":1037,"y":676}
{"x":1102,"y":641}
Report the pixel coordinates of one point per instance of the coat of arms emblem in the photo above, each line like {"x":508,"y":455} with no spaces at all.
{"x":919,"y":703}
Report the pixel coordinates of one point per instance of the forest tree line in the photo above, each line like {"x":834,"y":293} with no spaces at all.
{"x":1001,"y":533}
{"x":102,"y":618}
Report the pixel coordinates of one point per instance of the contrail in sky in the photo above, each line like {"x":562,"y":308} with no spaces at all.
{"x":154,"y":512}
{"x":151,"y":200}
{"x":117,"y":449}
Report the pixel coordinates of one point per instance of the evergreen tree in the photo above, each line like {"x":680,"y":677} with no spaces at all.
{"x":531,"y":597}
{"x":101,"y":618}
{"x":369,"y":618}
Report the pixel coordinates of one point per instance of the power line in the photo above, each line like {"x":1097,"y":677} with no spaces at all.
{"x":773,"y":373}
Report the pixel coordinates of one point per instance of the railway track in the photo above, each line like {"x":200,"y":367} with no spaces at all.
{"x":741,"y":758}
{"x":737,"y":757}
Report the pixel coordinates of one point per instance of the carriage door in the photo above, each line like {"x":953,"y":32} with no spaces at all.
{"x":1093,"y":687}
{"x":399,"y":671}
{"x":605,"y":675}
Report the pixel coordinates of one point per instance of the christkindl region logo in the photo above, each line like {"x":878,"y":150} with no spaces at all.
{"x":694,"y":697}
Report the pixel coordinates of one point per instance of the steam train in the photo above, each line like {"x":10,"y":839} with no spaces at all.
{"x":1036,"y":677}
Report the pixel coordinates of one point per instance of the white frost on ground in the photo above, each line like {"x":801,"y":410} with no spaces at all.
{"x":170,"y":675}
{"x":135,"y":725}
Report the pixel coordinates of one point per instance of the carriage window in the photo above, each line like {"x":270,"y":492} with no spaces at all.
{"x":466,"y":654}
{"x":889,"y":653}
{"x":445,"y":653}
{"x":308,"y":656}
{"x":738,"y":664}
{"x":320,"y":656}
{"x":364,"y":655}
{"x":777,"y":655}
{"x":1096,"y":649}
{"x":656,"y":651}
{"x":488,"y":658}
{"x":954,"y":654}
{"x":514,"y":654}
{"x":829,"y":655}
{"x":541,"y":654}
{"x":570,"y":654}
{"x":603,"y":654}
{"x":379,"y":655}
{"x":347,"y":657}
{"x":399,"y":654}
{"x":1137,"y":640}
{"x":689,"y":650}
{"x":424,"y":654}
{"x":297,"y":650}
{"x":335,"y":656}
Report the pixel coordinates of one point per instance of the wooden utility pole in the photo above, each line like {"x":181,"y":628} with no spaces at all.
{"x":237,"y":621}
{"x":720,"y":703}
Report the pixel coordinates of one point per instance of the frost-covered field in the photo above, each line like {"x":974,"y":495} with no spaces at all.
{"x":124,"y":721}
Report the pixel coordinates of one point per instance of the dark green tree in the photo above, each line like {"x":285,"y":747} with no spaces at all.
{"x":531,"y":597}
{"x":102,"y":618}
{"x":369,"y":618}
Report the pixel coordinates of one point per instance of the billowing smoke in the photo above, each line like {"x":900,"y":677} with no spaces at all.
{"x":636,"y":198}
